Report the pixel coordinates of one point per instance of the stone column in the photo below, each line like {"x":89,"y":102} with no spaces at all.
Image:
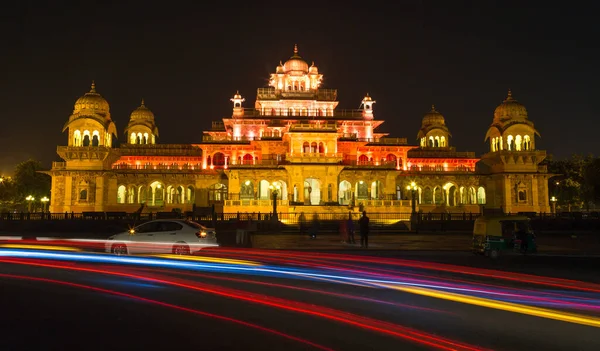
{"x":99,"y":198}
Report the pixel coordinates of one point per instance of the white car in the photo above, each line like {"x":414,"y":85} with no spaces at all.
{"x":173,"y":236}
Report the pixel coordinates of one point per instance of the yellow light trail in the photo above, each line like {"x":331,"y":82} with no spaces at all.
{"x":40,"y":247}
{"x":500,"y":305}
{"x":208,"y":259}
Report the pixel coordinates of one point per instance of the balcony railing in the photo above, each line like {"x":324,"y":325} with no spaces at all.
{"x":439,"y":153}
{"x":159,"y":150}
{"x":388,"y":141}
{"x":440,"y":169}
{"x":367,"y":164}
{"x":158,"y":167}
{"x":314,"y":157}
{"x":227,"y":139}
{"x":59,"y":165}
{"x":302,"y":113}
{"x":330,"y":127}
{"x":275,"y":94}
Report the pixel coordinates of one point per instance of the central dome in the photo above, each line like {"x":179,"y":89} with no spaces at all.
{"x":510,"y":109}
{"x":142,"y":113}
{"x":433,"y":117}
{"x":295,"y":64}
{"x":92,"y":101}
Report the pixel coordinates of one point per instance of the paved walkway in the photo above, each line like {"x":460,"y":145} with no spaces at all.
{"x":420,"y":242}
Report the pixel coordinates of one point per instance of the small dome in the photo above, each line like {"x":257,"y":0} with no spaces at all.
{"x":433,"y":117}
{"x":313,"y":69}
{"x":142,"y":113}
{"x":91,"y":101}
{"x":510,"y":109}
{"x":295,"y":64}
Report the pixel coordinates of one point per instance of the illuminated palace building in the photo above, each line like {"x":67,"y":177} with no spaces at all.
{"x":297,"y":146}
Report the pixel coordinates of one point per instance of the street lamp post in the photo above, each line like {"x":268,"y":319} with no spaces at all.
{"x":413,"y":217}
{"x":274,"y":194}
{"x":45,"y":200}
{"x":30,"y":200}
{"x":553,"y":201}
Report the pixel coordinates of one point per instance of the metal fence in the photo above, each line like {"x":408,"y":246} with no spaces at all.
{"x":284,"y":217}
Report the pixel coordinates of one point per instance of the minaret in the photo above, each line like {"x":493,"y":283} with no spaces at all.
{"x":367,"y":103}
{"x":238,"y":110}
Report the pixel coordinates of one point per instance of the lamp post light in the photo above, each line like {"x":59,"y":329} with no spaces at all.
{"x":45,"y":200}
{"x":553,"y":201}
{"x":30,"y":200}
{"x":274,"y":193}
{"x":413,"y":217}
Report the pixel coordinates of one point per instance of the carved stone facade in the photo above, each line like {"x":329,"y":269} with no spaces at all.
{"x":295,"y":145}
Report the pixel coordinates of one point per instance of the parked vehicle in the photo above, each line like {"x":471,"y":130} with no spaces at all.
{"x":503,"y":234}
{"x":181,"y":237}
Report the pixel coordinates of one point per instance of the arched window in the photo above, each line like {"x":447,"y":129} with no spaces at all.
{"x":219,"y":159}
{"x":313,"y":147}
{"x":217,"y":193}
{"x":390,"y":158}
{"x":518,"y":143}
{"x":442,"y":141}
{"x":363,"y":160}
{"x":145,"y":138}
{"x":481,"y":196}
{"x":321,"y":148}
{"x":437,"y":141}
{"x":83,"y":195}
{"x":95,"y":138}
{"x":121,"y":194}
{"x":247,"y":190}
{"x":77,"y":138}
{"x":86,"y":138}
{"x":526,"y":143}
{"x":132,"y":139}
{"x":248,"y":159}
{"x":190,"y":195}
{"x":510,"y":143}
{"x":305,"y":147}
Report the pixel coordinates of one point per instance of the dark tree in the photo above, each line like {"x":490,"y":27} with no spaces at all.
{"x":29,"y":181}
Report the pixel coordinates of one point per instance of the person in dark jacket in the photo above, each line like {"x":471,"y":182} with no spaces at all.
{"x":363,"y":222}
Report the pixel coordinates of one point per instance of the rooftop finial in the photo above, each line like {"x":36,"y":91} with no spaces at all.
{"x":237,"y":92}
{"x":295,"y":49}
{"x":432,"y":108}
{"x":93,"y":89}
{"x":509,"y":97}
{"x":143,"y":103}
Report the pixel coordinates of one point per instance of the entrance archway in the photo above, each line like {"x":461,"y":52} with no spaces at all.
{"x":312,"y":191}
{"x":345,"y":193}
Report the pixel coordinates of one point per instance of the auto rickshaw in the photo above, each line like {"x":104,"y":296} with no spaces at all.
{"x":493,"y":235}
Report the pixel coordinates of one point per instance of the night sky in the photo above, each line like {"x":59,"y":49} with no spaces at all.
{"x":188,"y":59}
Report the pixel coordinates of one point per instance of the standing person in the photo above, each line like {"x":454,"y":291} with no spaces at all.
{"x":350,"y":228}
{"x":314,"y":230}
{"x":302,"y":223}
{"x":364,"y":230}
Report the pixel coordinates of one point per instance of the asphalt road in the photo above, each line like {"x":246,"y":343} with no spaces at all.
{"x":61,"y":303}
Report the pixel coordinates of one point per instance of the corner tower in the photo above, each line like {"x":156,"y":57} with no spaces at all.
{"x":514,"y":179}
{"x":433,"y":133}
{"x":142,"y":127}
{"x":90,"y":123}
{"x":82,"y":182}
